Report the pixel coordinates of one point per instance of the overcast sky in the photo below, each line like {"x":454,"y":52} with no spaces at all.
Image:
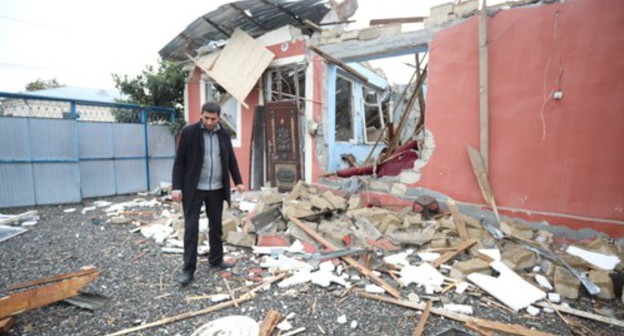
{"x":81,"y":43}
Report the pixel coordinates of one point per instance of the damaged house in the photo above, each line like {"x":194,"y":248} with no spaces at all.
{"x":538,"y":99}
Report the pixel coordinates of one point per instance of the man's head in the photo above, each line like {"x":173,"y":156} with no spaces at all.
{"x":210,"y":114}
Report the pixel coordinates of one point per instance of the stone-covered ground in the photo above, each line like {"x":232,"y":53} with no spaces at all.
{"x":139,"y":279}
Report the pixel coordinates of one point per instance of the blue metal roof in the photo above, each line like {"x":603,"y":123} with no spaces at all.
{"x":79,"y":93}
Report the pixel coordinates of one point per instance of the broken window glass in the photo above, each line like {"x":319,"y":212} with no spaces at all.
{"x":229,"y":115}
{"x":373,"y":114}
{"x":344,"y":109}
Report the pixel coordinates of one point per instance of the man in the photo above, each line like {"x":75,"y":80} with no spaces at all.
{"x":201,"y":175}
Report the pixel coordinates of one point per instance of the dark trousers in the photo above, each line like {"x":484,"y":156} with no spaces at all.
{"x":213,"y":200}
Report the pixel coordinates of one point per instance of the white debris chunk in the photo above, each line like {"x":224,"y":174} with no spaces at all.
{"x":425,"y":275}
{"x":29,"y":223}
{"x":284,"y":263}
{"x":509,"y":287}
{"x":461,"y":287}
{"x":554,"y":297}
{"x":70,"y":210}
{"x":342,"y":319}
{"x":219,"y":297}
{"x":158,"y":232}
{"x":327,"y":266}
{"x":374,"y":289}
{"x":399,"y":259}
{"x":604,"y":261}
{"x":493,"y":253}
{"x":284,"y":325}
{"x":299,"y":277}
{"x":246,"y":206}
{"x":354,"y":324}
{"x":428,"y":256}
{"x":325,"y":278}
{"x":543,"y":282}
{"x":87,"y":209}
{"x":458,"y":308}
{"x":534,"y":311}
{"x":548,"y":310}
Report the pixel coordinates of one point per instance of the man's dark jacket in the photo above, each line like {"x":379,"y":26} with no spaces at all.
{"x":190,"y":158}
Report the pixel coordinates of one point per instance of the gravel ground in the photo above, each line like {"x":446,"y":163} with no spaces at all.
{"x":140,"y":281}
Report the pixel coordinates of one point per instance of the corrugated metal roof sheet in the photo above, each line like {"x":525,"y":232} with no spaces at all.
{"x":255,"y":17}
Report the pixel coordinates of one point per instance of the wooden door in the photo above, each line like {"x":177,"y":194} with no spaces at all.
{"x":283,"y":151}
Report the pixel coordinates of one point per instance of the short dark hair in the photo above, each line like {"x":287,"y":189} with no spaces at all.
{"x":211,"y":107}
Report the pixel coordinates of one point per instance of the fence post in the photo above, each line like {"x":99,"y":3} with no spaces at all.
{"x":73,"y":112}
{"x":144,"y":119}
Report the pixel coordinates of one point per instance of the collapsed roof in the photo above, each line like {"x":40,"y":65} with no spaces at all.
{"x":252,"y":16}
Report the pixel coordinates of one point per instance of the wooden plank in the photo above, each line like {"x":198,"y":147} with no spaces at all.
{"x":423,"y":320}
{"x":18,"y":217}
{"x":451,"y":254}
{"x":412,"y":19}
{"x":473,"y":326}
{"x":583,"y":314}
{"x":270,"y":322}
{"x":27,"y":300}
{"x":513,"y":329}
{"x":343,"y":65}
{"x":482,"y":179}
{"x":245,"y":297}
{"x":483,"y":87}
{"x":354,"y":263}
{"x":6,"y":324}
{"x":43,"y":281}
{"x":460,"y":226}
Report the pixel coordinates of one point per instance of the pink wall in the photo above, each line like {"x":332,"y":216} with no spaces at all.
{"x":561,"y":157}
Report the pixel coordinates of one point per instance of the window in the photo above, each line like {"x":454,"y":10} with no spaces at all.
{"x":344,"y":109}
{"x":230,"y":115}
{"x":373,"y":114}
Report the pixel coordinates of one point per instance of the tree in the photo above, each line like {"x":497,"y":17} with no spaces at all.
{"x":163,"y":87}
{"x":41,"y":84}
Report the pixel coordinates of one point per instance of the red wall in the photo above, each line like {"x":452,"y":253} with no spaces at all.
{"x":562,"y":157}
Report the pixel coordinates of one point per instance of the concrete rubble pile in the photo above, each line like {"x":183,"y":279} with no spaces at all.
{"x":423,"y":252}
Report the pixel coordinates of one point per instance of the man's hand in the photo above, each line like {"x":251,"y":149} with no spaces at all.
{"x":176,"y":195}
{"x":240,"y":188}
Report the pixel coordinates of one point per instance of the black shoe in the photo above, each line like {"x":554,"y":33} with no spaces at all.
{"x":223,"y":265}
{"x":185,"y":278}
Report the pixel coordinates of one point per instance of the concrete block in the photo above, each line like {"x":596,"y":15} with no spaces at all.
{"x":417,"y":237}
{"x":388,"y":221}
{"x":566,"y":284}
{"x":398,"y":189}
{"x":121,"y":220}
{"x":466,"y":8}
{"x":518,"y":258}
{"x":295,"y":232}
{"x":516,"y":230}
{"x":241,"y":239}
{"x":270,"y":198}
{"x":604,"y":281}
{"x":320,"y":203}
{"x":355,"y":202}
{"x":336,"y":201}
{"x":368,"y":228}
{"x":414,"y":219}
{"x":409,"y":176}
{"x":461,"y":269}
{"x":297,"y":211}
{"x":298,"y":191}
{"x":548,"y":267}
{"x":443,"y":9}
{"x":474,"y":233}
{"x":378,"y":186}
{"x":377,"y":31}
{"x":439,"y":243}
{"x":228,"y":225}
